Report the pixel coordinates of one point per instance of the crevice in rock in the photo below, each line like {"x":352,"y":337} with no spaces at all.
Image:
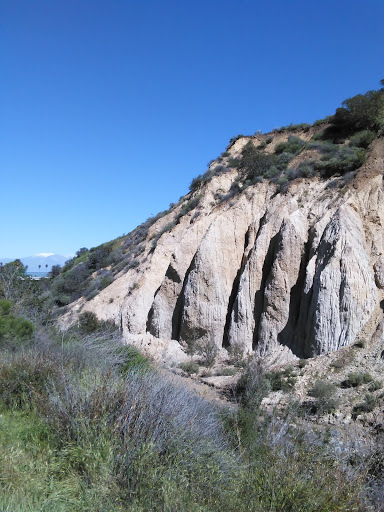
{"x":149,"y":325}
{"x":178,"y":311}
{"x":172,"y":274}
{"x":262,"y":221}
{"x":259,"y":295}
{"x":289,"y":335}
{"x":324,"y":251}
{"x":306,"y":297}
{"x":234,"y":291}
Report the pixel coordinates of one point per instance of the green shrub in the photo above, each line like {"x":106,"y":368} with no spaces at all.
{"x":362,"y":139}
{"x":5,"y":307}
{"x":306,"y":170}
{"x":233,"y":162}
{"x":345,"y":160}
{"x":91,"y":294}
{"x":283,"y":380}
{"x":375,"y":385}
{"x":196,"y":183}
{"x":88,"y":322}
{"x":23,"y":375}
{"x":294,"y":145}
{"x":319,"y":122}
{"x":208,"y":351}
{"x":233,"y":139}
{"x":190,"y":205}
{"x":254,"y":163}
{"x":272,"y":172}
{"x":283,"y":184}
{"x":324,"y":393}
{"x":190,"y":367}
{"x":280,"y":147}
{"x":355,"y":379}
{"x":227,"y":372}
{"x":13,"y":328}
{"x":296,"y":127}
{"x":105,"y":281}
{"x":131,"y":359}
{"x":236,"y":355}
{"x":253,"y":385}
{"x":369,"y":403}
{"x":361,"y":112}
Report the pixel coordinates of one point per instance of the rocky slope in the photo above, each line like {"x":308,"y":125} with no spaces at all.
{"x":285,"y":274}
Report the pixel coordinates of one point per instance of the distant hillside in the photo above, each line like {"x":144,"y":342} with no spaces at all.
{"x":42,"y":259}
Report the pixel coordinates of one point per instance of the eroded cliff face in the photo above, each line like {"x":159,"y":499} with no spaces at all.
{"x":286,"y":275}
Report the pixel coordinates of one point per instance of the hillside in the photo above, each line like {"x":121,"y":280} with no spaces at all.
{"x":277,"y":250}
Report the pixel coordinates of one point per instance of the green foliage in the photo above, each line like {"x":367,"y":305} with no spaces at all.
{"x":233,"y":139}
{"x":190,"y":205}
{"x":375,"y":385}
{"x":361,"y":112}
{"x":5,"y":307}
{"x":208,"y":351}
{"x":319,"y":122}
{"x":17,"y":287}
{"x":335,"y":159}
{"x":233,"y":162}
{"x":283,"y":380}
{"x":236,"y":355}
{"x":345,"y":160}
{"x":254,"y":384}
{"x":88,"y":322}
{"x":293,"y":146}
{"x":131,"y":359}
{"x":356,"y":379}
{"x":227,"y":372}
{"x":368,"y":405}
{"x":80,"y":431}
{"x":75,"y":279}
{"x":283,"y":183}
{"x":190,"y":367}
{"x":324,"y":393}
{"x":13,"y":328}
{"x":24,"y":375}
{"x":296,"y":127}
{"x":362,"y":139}
{"x":196,"y":183}
{"x":81,"y":251}
{"x":105,"y":281}
{"x":254,"y":163}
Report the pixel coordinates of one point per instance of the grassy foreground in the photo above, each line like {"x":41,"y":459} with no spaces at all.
{"x":90,"y":426}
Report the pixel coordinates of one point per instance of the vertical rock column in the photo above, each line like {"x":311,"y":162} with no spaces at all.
{"x":344,"y":294}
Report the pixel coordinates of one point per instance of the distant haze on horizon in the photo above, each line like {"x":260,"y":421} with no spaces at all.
{"x":41,"y":259}
{"x":111,"y":108}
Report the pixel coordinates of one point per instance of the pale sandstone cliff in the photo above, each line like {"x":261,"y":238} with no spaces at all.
{"x":286,"y":275}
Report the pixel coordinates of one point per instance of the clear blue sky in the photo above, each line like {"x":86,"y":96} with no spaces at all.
{"x":110,"y":107}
